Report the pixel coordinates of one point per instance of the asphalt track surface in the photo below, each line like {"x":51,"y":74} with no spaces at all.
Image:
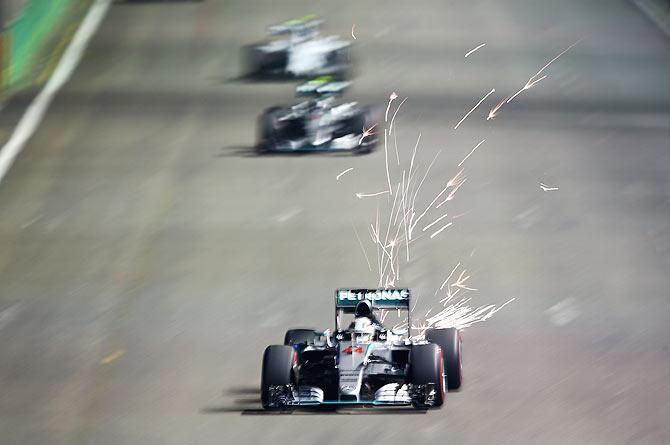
{"x":147,"y":256}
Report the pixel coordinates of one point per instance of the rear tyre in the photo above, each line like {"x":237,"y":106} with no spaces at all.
{"x":258,"y":64}
{"x":277,"y":371}
{"x":295,"y":336}
{"x":341,"y":59}
{"x":449,"y":341}
{"x":250,"y":61}
{"x":426,"y":370}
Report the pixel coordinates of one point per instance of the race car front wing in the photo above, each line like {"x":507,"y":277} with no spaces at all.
{"x":392,"y":394}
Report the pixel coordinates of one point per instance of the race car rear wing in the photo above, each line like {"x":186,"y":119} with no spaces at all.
{"x":346,"y":300}
{"x":322,"y":86}
{"x":306,"y":24}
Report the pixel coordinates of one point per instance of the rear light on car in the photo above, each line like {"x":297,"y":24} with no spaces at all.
{"x":349,"y":350}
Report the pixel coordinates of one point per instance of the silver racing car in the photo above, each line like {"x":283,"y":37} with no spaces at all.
{"x":318,"y":123}
{"x":297,"y":51}
{"x":362,"y":363}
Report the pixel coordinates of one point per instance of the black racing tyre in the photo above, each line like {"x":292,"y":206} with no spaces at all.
{"x":266,"y":131}
{"x":339,"y":64}
{"x":449,"y":341}
{"x":258,"y":64}
{"x":427,"y":367}
{"x":250,"y":61}
{"x":277,"y":370}
{"x":294,"y":336}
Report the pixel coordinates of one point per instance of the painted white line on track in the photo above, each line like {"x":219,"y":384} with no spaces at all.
{"x":38,"y":107}
{"x":288,"y":214}
{"x":563,"y":312}
{"x":9,"y":314}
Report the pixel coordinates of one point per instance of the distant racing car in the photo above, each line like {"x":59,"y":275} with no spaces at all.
{"x":300,"y":53}
{"x":318,"y":123}
{"x":363,"y":363}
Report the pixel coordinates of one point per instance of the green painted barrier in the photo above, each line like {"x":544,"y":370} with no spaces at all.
{"x":33,"y":35}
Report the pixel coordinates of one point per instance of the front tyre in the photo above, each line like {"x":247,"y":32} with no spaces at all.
{"x":277,"y":376}
{"x":426,"y":376}
{"x":259,"y":64}
{"x":267,"y":130}
{"x":449,"y":341}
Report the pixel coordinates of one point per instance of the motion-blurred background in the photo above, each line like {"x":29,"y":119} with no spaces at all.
{"x":147,"y":256}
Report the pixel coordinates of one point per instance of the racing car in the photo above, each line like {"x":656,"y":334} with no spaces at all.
{"x":363,"y":363}
{"x":318,"y":123}
{"x":297,"y":51}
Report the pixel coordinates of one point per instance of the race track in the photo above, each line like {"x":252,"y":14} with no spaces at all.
{"x":147,"y":256}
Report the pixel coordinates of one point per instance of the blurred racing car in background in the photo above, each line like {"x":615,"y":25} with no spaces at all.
{"x":318,"y":123}
{"x":365,"y":363}
{"x":301,"y":53}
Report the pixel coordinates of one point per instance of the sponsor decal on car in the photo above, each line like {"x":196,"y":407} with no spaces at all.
{"x":380,"y":296}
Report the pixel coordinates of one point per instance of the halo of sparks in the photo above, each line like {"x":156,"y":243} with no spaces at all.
{"x":394,"y":230}
{"x":394,"y":234}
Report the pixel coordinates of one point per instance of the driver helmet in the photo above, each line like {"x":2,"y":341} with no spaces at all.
{"x":363,"y":329}
{"x":363,"y":309}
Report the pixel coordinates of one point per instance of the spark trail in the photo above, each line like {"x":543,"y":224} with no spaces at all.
{"x":367,"y":132}
{"x":435,"y":222}
{"x":530,"y":84}
{"x":474,"y":49}
{"x":369,"y":195}
{"x":441,"y":229}
{"x":494,"y":111}
{"x":394,"y":114}
{"x":337,"y":178}
{"x":458,"y":314}
{"x":547,"y":188}
{"x":473,"y":150}
{"x":532,"y":81}
{"x":493,"y":90}
{"x":360,"y":243}
{"x":392,"y":97}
